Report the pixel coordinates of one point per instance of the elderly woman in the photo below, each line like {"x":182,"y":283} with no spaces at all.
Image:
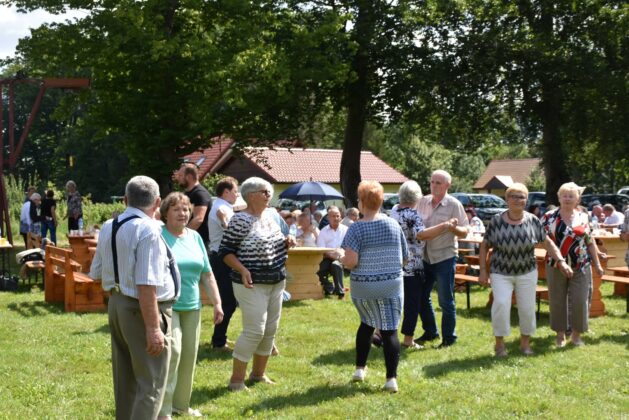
{"x":375,"y":249}
{"x":75,"y":206}
{"x":513,"y":235}
{"x":255,"y":249}
{"x":192,"y":260}
{"x":307,"y":233}
{"x":412,"y":224}
{"x":570,"y":230}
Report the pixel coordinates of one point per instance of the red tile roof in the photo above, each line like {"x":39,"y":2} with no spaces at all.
{"x":213,"y":155}
{"x":298,"y":165}
{"x":518,"y":169}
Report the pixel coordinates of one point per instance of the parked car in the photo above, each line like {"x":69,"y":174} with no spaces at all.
{"x":390,"y":200}
{"x":617,"y":200}
{"x":485,"y":205}
{"x":288,"y":204}
{"x":623,"y":190}
{"x":537,"y":198}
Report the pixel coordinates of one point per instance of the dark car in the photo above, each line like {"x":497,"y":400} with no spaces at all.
{"x":485,"y":205}
{"x":537,"y":198}
{"x":616,"y":200}
{"x":390,"y":200}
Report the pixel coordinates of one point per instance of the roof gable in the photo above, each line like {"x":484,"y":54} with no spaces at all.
{"x":516,"y":169}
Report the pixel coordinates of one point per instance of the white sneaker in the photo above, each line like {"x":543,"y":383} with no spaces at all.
{"x":359,"y":375}
{"x":391,"y":385}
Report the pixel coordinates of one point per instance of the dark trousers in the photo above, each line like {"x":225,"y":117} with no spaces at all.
{"x":334,"y":268}
{"x":441,"y":274}
{"x":139,"y":379}
{"x":49,"y":225}
{"x":221,"y":273}
{"x":412,"y":292}
{"x":73,"y":223}
{"x":390,"y":344}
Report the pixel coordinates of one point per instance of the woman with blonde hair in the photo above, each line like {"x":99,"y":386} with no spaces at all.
{"x":375,"y":250}
{"x":571,"y":231}
{"x":513,"y":235}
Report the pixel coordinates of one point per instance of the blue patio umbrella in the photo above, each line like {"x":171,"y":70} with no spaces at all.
{"x":311,"y":190}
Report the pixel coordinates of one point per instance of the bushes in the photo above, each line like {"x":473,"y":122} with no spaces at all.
{"x":98,"y":213}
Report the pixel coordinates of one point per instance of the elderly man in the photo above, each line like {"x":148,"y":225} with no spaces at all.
{"x":188,"y":178}
{"x":351,"y":216}
{"x":445,"y":219}
{"x":137,"y":268}
{"x":613,"y":218}
{"x":219,"y":216}
{"x":332,"y":236}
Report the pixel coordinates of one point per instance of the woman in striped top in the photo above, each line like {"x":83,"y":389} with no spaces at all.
{"x":255,"y":249}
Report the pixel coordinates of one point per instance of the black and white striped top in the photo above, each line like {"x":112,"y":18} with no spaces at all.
{"x":259,"y":245}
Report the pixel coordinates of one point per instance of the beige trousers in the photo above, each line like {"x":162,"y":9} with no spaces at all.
{"x":261,"y":308}
{"x":503,"y":287}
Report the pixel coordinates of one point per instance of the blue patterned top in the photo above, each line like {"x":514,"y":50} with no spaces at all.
{"x":381,"y":248}
{"x":411,"y":223}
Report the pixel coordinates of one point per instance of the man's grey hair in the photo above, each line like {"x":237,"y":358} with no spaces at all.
{"x":444,"y":174}
{"x":141,"y":192}
{"x":35,"y":196}
{"x":71,"y":184}
{"x":353,"y":211}
{"x":410,"y":192}
{"x":254,"y":184}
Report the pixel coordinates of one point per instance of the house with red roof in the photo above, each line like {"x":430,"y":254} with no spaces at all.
{"x":500,"y":174}
{"x":283,"y":167}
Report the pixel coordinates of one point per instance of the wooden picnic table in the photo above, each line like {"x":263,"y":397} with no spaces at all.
{"x":302,"y":266}
{"x":80,"y":251}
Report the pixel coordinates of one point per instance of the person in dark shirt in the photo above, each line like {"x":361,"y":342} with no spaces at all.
{"x":49,"y":216}
{"x":188,"y":178}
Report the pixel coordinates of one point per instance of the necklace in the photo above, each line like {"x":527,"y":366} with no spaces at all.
{"x":514,"y":220}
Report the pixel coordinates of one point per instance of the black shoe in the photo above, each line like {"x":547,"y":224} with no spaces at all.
{"x":341,"y":296}
{"x":445,"y":344}
{"x":425,"y":338}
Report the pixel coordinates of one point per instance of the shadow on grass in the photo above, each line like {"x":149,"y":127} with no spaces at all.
{"x":103,"y":329}
{"x":622,"y":338}
{"x":206,"y":352}
{"x":338,"y":357}
{"x":32,"y":309}
{"x":309,"y":397}
{"x":203,"y":394}
{"x":295,"y":304}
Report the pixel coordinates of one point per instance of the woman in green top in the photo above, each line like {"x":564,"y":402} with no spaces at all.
{"x":192,"y":261}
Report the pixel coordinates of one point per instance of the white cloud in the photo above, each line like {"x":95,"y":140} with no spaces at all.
{"x":14,"y":25}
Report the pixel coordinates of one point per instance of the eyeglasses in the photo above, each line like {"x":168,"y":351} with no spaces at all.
{"x":518,"y":197}
{"x":265,"y":192}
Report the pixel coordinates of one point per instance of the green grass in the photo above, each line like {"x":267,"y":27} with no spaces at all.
{"x":57,"y":365}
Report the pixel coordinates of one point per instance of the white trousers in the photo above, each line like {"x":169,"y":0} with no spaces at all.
{"x":503,"y":287}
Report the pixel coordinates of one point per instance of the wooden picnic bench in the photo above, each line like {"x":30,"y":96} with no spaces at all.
{"x":618,"y":280}
{"x":65,"y":283}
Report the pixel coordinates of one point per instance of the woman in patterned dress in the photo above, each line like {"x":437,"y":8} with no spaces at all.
{"x":513,"y":235}
{"x":412,"y":225}
{"x":375,"y":250}
{"x":255,"y":249}
{"x":570,"y":230}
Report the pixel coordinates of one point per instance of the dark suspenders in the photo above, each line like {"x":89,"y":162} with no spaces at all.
{"x":114,"y":230}
{"x":171,"y":260}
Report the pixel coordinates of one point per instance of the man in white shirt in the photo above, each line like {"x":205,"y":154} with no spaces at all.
{"x":332,"y":236}
{"x":137,"y":268}
{"x":613,"y":218}
{"x":220,"y":214}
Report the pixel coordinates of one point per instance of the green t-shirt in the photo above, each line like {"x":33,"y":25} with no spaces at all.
{"x":191,"y":257}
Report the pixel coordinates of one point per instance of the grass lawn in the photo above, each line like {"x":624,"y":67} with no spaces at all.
{"x":57,"y":365}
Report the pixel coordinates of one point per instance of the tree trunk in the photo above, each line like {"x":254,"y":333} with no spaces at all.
{"x":358,"y":97}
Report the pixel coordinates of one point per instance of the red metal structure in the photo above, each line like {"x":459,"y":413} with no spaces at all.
{"x":14,"y":150}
